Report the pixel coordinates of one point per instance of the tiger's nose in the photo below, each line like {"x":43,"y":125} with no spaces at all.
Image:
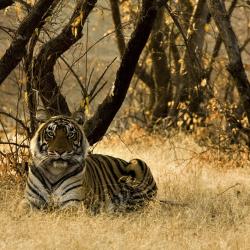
{"x":59,"y":152}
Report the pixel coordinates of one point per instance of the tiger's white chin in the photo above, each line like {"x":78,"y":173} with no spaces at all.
{"x":58,"y":167}
{"x":60,"y":164}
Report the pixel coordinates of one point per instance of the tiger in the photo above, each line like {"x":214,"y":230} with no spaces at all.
{"x":63,"y":173}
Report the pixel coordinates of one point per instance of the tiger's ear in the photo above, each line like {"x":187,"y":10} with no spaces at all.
{"x":79,"y":117}
{"x":42,"y":116}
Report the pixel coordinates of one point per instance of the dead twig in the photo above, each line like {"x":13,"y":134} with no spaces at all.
{"x":92,"y":92}
{"x":173,"y":203}
{"x":14,"y":144}
{"x":17,"y":120}
{"x":191,"y":53}
{"x":84,"y":90}
{"x":233,"y":186}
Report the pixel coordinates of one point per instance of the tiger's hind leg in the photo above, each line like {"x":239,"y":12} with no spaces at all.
{"x":138,"y":170}
{"x":138,"y":186}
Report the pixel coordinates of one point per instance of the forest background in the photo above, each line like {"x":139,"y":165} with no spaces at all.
{"x":165,"y":81}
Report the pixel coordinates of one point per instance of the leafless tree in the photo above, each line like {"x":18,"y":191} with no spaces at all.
{"x":40,"y":67}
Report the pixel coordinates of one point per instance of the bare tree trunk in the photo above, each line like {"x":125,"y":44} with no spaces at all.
{"x":97,"y":126}
{"x":43,"y":70}
{"x":5,"y":3}
{"x":191,"y":70}
{"x":28,"y":68}
{"x":16,"y":51}
{"x":197,"y":31}
{"x":235,"y":67}
{"x":140,"y":71}
{"x":218,"y":43}
{"x":161,"y":70}
{"x":185,"y":10}
{"x":32,"y":102}
{"x":193,"y":57}
{"x":118,"y":26}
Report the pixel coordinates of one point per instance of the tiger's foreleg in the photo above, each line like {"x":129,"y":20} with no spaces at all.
{"x":25,"y":207}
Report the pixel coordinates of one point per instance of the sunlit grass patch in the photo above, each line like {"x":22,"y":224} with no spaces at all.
{"x":212,"y":210}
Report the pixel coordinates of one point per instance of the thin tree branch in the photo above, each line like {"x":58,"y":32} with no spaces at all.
{"x":44,"y":64}
{"x":235,"y":67}
{"x":16,"y":51}
{"x":227,"y":189}
{"x":218,"y":43}
{"x":140,"y":71}
{"x":118,"y":25}
{"x":97,"y":126}
{"x":100,"y":78}
{"x":191,"y":52}
{"x":28,"y":64}
{"x":98,"y":91}
{"x":244,"y":45}
{"x":17,"y":120}
{"x":15,"y":144}
{"x":84,"y":90}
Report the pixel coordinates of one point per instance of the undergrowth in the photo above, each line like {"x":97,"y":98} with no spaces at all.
{"x":214,"y":189}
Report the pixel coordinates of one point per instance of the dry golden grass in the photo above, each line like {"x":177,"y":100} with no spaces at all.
{"x":217,"y":215}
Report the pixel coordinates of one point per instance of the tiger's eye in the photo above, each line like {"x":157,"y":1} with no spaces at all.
{"x":50,"y":133}
{"x":50,"y":130}
{"x":71,"y":135}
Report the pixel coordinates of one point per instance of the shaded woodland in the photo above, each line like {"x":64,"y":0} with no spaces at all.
{"x":181,"y":65}
{"x":166,"y":81}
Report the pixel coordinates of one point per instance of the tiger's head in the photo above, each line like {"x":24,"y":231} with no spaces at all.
{"x":59,"y":142}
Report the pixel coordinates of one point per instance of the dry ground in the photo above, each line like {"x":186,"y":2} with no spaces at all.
{"x":217,"y":215}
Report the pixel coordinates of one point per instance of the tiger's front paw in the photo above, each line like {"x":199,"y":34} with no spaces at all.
{"x":23,"y":208}
{"x":72,"y":207}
